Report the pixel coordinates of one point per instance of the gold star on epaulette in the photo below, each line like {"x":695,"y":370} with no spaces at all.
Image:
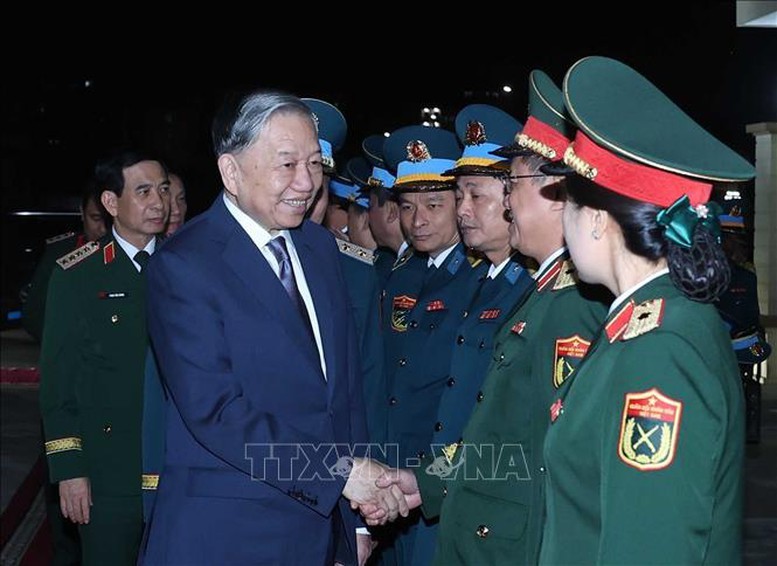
{"x":357,"y":252}
{"x":78,"y":255}
{"x":647,"y":316}
{"x":567,"y":276}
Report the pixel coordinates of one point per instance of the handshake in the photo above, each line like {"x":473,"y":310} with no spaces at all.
{"x":381,"y":493}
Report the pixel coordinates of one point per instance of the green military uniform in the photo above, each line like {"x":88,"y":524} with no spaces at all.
{"x":489,"y":493}
{"x":34,"y":307}
{"x":64,"y":533}
{"x":92,"y":366}
{"x":644,"y":457}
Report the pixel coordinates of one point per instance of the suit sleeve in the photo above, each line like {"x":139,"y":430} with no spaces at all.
{"x":187,"y":331}
{"x":60,"y":369}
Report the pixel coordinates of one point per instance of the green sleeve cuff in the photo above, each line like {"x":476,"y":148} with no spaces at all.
{"x":433,"y":490}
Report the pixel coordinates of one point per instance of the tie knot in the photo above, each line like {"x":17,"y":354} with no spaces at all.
{"x":141,"y":258}
{"x":278,"y":248}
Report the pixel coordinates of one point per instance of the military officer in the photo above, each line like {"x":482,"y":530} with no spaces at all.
{"x":738,"y":307}
{"x":383,"y":210}
{"x":93,"y":222}
{"x":418,"y":373}
{"x":645,"y":454}
{"x":332,"y":132}
{"x":92,"y":362}
{"x":488,"y":488}
{"x":480,"y":184}
{"x":64,"y":534}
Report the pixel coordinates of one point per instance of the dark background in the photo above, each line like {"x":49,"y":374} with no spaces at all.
{"x":72,"y":91}
{"x":157,"y":89}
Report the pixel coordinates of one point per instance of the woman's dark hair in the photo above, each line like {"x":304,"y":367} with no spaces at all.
{"x":702,"y":271}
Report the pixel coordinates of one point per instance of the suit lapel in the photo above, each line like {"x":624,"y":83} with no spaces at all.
{"x":250,"y":266}
{"x":315,"y":269}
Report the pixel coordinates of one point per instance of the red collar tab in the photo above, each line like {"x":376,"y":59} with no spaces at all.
{"x":614,"y":329}
{"x":631,"y":179}
{"x":548,"y":276}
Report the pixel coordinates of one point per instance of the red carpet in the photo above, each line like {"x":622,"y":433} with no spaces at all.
{"x":39,"y":551}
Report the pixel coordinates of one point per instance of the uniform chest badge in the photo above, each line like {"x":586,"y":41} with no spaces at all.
{"x":112,"y":295}
{"x":518,"y":327}
{"x":435,"y":305}
{"x":556,"y":409}
{"x":568,"y":355}
{"x":400,"y":307}
{"x":490,"y":314}
{"x":649,"y":429}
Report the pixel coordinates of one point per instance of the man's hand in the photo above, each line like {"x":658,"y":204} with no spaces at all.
{"x":361,"y":489}
{"x":75,"y":498}
{"x":395,"y":479}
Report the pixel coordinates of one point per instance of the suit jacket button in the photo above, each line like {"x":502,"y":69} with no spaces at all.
{"x":403,"y":362}
{"x":482,"y":531}
{"x":465,"y":314}
{"x":393,"y":401}
{"x":480,"y":396}
{"x":413,"y":324}
{"x":107,"y":429}
{"x":432,"y":326}
{"x":501,"y":356}
{"x":114,"y":318}
{"x":451,"y":382}
{"x":444,"y":491}
{"x":482,"y":344}
{"x":438,"y":426}
{"x":421,"y":454}
{"x":460,"y":340}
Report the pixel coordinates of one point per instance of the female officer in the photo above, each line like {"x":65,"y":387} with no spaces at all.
{"x":645,"y":451}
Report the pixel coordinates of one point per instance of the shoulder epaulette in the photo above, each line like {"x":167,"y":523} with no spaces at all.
{"x":474,"y":258}
{"x":355,"y":251}
{"x":78,"y":255}
{"x":567,"y":276}
{"x":59,"y":238}
{"x":645,"y":317}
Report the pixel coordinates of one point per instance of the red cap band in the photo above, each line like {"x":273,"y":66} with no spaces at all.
{"x":549,"y":142}
{"x":631,"y":179}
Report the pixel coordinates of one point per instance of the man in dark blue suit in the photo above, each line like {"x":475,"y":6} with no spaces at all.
{"x":257,"y":350}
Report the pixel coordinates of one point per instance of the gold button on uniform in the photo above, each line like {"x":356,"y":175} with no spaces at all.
{"x":107,"y":429}
{"x":482,"y":531}
{"x":115,"y":318}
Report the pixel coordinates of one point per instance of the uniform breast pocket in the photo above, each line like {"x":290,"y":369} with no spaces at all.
{"x":492,"y":528}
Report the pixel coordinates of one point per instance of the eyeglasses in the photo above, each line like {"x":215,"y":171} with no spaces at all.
{"x":510,"y":180}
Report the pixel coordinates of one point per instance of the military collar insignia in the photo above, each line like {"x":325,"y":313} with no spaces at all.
{"x":549,"y":274}
{"x":569,"y":353}
{"x":78,"y":255}
{"x":402,"y":260}
{"x":512,"y":271}
{"x":355,"y":251}
{"x":109,"y":253}
{"x":454,"y":260}
{"x":650,"y":425}
{"x":617,"y":325}
{"x":60,"y":237}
